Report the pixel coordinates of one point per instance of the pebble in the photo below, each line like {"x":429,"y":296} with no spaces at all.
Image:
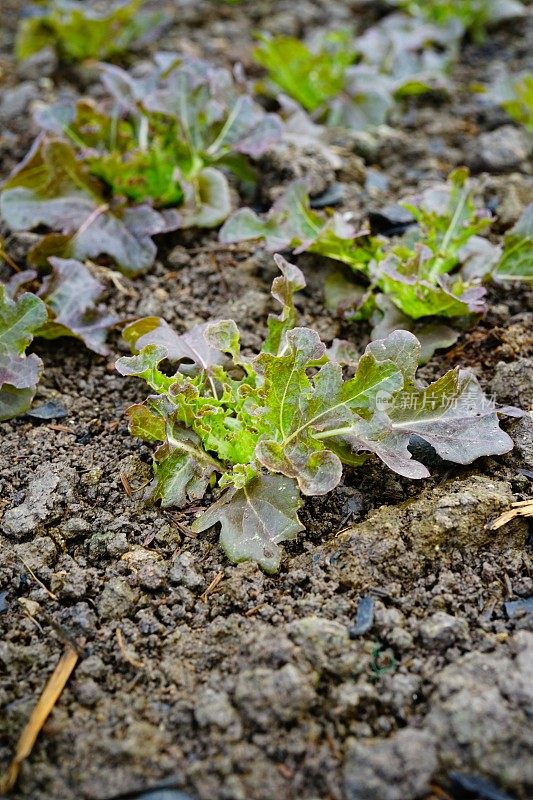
{"x":442,"y":630}
{"x":515,"y":608}
{"x":267,"y":696}
{"x":47,"y":411}
{"x":501,"y":150}
{"x":365,"y":617}
{"x":117,"y":599}
{"x":38,"y":554}
{"x":183,"y":572}
{"x":214,"y":708}
{"x":15,"y":101}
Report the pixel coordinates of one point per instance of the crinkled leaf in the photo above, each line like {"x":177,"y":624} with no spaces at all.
{"x":190,"y":346}
{"x":284,"y":286}
{"x":418,"y":297}
{"x":297,"y":408}
{"x":70,"y":293}
{"x":181,"y":471}
{"x":224,"y":335}
{"x":447,"y":219}
{"x":516,"y":262}
{"x":452,"y":414}
{"x":255,"y":519}
{"x":213,"y":116}
{"x":50,"y":187}
{"x":291,"y":223}
{"x":472,"y":15}
{"x":309,"y":77}
{"x":431,"y":335}
{"x":20,"y":321}
{"x":182,"y":468}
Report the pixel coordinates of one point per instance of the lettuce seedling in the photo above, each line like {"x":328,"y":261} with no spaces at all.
{"x":267,"y":429}
{"x":292,"y":224}
{"x":80,"y":30}
{"x":170,"y":136}
{"x":397,"y":57}
{"x":52,"y":187}
{"x":474,"y":16}
{"x":415,"y":278}
{"x":515,"y":95}
{"x":310,"y":78}
{"x":416,"y":273}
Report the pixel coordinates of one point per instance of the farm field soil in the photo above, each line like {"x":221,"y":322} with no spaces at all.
{"x":255,"y":690}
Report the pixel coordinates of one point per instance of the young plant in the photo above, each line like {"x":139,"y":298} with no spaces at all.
{"x":166,"y":140}
{"x":474,"y":16}
{"x":19,"y":373}
{"x":407,"y":282}
{"x":266,"y":430}
{"x":80,"y":30}
{"x":52,"y":187}
{"x":311,"y":78}
{"x":397,"y":57}
{"x":292,"y":224}
{"x":64,"y":305}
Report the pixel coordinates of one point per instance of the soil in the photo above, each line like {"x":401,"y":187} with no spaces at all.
{"x":262,"y":688}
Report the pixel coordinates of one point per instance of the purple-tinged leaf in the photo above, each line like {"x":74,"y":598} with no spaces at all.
{"x":432,"y":336}
{"x":189,"y":346}
{"x":70,"y":293}
{"x":255,"y":519}
{"x":284,"y":286}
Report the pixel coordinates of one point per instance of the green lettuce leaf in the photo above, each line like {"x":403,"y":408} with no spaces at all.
{"x":20,"y":321}
{"x":516,"y":263}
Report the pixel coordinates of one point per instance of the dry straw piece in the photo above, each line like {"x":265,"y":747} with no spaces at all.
{"x":51,"y":694}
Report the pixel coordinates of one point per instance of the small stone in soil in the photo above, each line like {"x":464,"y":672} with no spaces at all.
{"x":364,"y":619}
{"x":331,"y":197}
{"x":3,"y":603}
{"x":515,"y":608}
{"x":477,"y":787}
{"x":47,"y":411}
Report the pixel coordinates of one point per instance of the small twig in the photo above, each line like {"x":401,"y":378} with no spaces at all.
{"x":522,"y":509}
{"x":48,"y":699}
{"x":55,"y":426}
{"x":9,"y":261}
{"x":126,"y":655}
{"x":36,"y":579}
{"x":254,"y":610}
{"x":126,"y":484}
{"x":212,"y":586}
